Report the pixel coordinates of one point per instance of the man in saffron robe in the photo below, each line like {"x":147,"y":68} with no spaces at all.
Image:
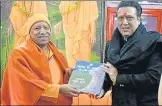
{"x":36,"y":72}
{"x":79,"y":25}
{"x":20,"y":12}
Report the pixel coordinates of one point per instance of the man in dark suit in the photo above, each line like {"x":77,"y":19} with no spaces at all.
{"x":133,"y":60}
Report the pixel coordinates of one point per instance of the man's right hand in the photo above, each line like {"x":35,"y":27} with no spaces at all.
{"x":57,"y":27}
{"x":66,"y":90}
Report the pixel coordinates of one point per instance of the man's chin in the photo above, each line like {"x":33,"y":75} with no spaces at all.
{"x":126,"y":34}
{"x":43,"y":44}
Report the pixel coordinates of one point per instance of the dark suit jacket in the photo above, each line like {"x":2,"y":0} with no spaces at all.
{"x":139,"y":65}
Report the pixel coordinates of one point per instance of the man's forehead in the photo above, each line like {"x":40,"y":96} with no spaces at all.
{"x":123,"y":11}
{"x":124,"y":14}
{"x":40,"y":23}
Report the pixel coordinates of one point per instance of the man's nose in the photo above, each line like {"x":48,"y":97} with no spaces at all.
{"x":125,"y":22}
{"x":42,"y":31}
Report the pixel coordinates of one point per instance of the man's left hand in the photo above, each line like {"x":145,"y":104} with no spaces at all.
{"x":111,"y":70}
{"x":92,"y":39}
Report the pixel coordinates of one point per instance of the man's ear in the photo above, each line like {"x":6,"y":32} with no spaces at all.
{"x":139,"y":19}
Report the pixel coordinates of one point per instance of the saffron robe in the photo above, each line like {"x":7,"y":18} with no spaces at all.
{"x":27,"y":76}
{"x":77,"y":26}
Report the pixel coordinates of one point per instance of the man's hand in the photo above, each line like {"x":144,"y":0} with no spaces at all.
{"x":111,"y":70}
{"x":57,"y":28}
{"x":92,"y":39}
{"x":67,"y":90}
{"x":92,"y":36}
{"x":102,"y":93}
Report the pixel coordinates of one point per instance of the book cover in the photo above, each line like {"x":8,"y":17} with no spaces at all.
{"x":87,"y":77}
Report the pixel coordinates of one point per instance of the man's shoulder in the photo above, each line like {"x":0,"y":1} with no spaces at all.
{"x":158,"y":35}
{"x":159,"y":45}
{"x":154,"y":33}
{"x":16,"y":53}
{"x":21,"y":49}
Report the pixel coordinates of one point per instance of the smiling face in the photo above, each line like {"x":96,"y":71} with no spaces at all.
{"x":127,"y":20}
{"x":40,"y":33}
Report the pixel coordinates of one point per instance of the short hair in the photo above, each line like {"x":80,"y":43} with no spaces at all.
{"x":134,"y":4}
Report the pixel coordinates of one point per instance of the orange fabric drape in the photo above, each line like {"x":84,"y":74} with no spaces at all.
{"x":51,"y":94}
